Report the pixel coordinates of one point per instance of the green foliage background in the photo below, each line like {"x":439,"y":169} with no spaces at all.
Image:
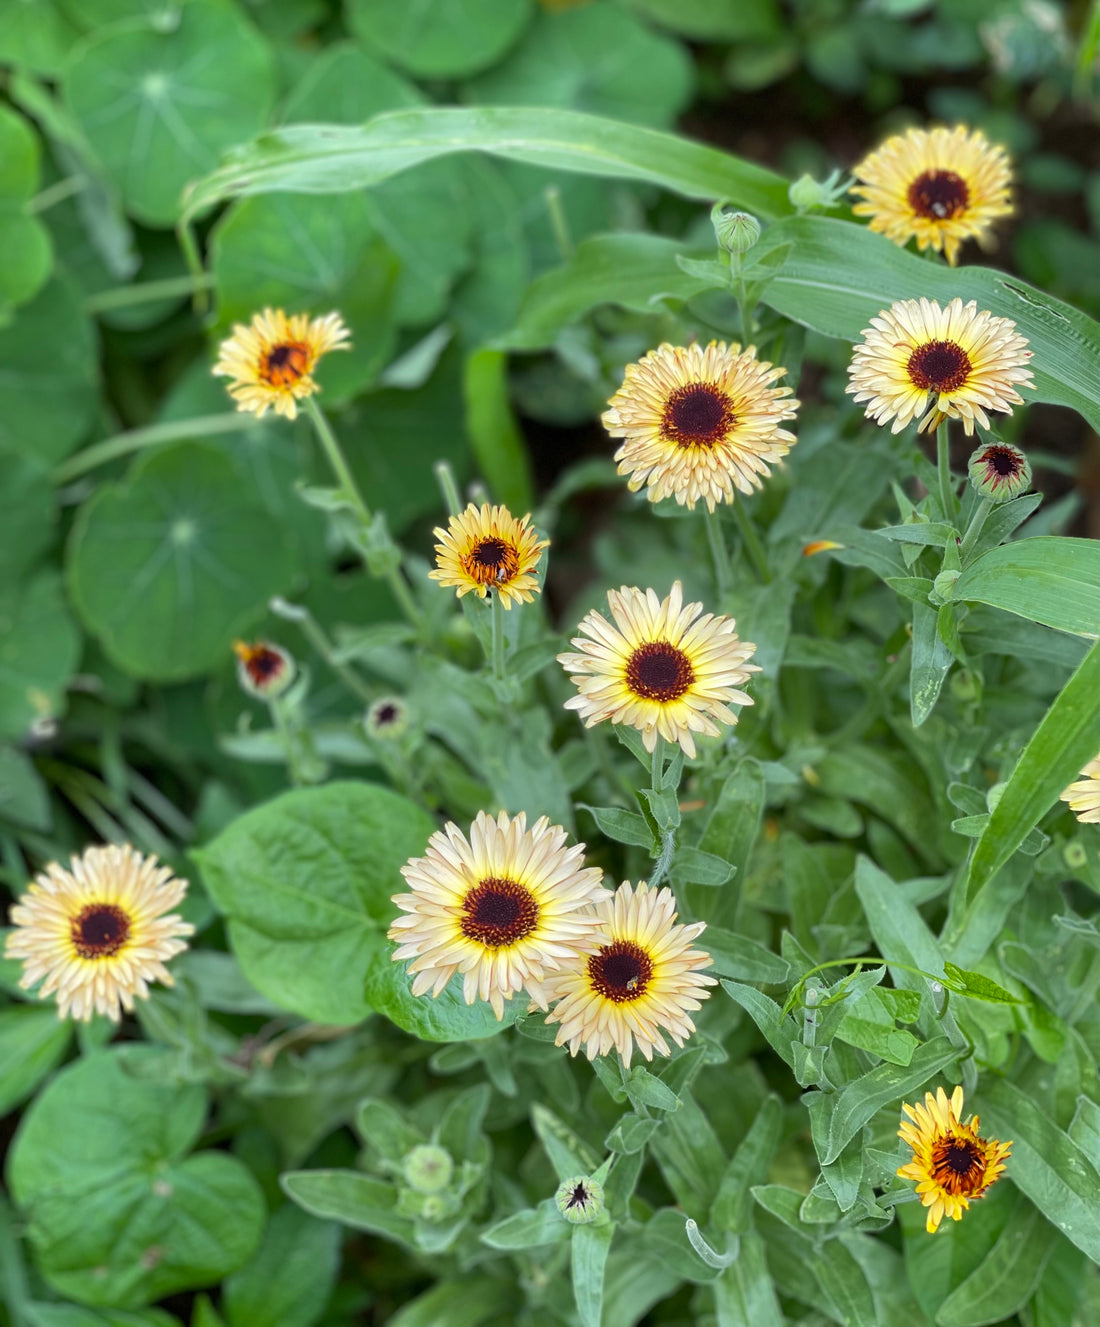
{"x":495,"y":197}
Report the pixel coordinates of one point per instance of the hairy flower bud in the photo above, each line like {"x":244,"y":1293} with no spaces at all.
{"x":736,"y":232}
{"x":580,"y":1200}
{"x":387,"y":719}
{"x":427,"y":1168}
{"x":264,"y":670}
{"x":1000,"y":471}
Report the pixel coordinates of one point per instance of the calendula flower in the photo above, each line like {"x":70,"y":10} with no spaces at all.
{"x":97,"y":932}
{"x":999,"y":471}
{"x":388,"y":718}
{"x":264,"y":670}
{"x":952,"y":1164}
{"x":941,"y":186}
{"x":662,"y":668}
{"x":640,"y":979}
{"x":963,"y":361}
{"x":270,"y":361}
{"x":1084,"y":795}
{"x":485,"y":548}
{"x":698,"y":423}
{"x":503,"y":907}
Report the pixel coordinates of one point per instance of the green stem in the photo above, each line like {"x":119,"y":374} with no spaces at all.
{"x":311,"y":630}
{"x":189,"y":247}
{"x":754,"y":547}
{"x":974,"y":529}
{"x":719,"y":552}
{"x":445,"y":476}
{"x":135,"y":440}
{"x":124,"y":297}
{"x":664,"y":861}
{"x":56,"y":193}
{"x":497,"y":617}
{"x":943,"y":467}
{"x":559,"y":222}
{"x":657,"y":766}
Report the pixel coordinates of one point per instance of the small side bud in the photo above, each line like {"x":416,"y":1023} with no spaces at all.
{"x":736,"y":232}
{"x":1000,"y":471}
{"x":943,"y":585}
{"x":580,"y":1200}
{"x":807,"y":194}
{"x":427,"y":1168}
{"x":264,"y":670}
{"x":387,"y":719}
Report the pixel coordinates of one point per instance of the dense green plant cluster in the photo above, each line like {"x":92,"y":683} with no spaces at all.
{"x":491,"y":196}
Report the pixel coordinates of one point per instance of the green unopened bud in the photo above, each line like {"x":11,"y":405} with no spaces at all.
{"x":427,"y":1168}
{"x":580,"y":1200}
{"x":994,"y":795}
{"x":1075,"y":855}
{"x":387,"y":719}
{"x":1000,"y":471}
{"x":806,"y":193}
{"x":965,"y":685}
{"x":736,"y":232}
{"x":943,"y":585}
{"x":264,"y":670}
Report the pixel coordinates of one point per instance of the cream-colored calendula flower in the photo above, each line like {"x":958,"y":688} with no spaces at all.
{"x":485,"y":548}
{"x":640,"y":979}
{"x":270,"y":362}
{"x":97,"y":932}
{"x":698,"y":422}
{"x":952,"y":1163}
{"x":503,"y":907}
{"x":941,"y":186}
{"x":665,"y":667}
{"x":1084,"y":795}
{"x":958,"y":361}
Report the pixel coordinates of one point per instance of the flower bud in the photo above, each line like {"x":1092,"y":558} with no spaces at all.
{"x":264,"y":670}
{"x":736,"y":232}
{"x":943,"y":585}
{"x":1000,"y":471}
{"x":427,"y":1168}
{"x":580,"y":1200}
{"x":387,"y":719}
{"x":805,"y":193}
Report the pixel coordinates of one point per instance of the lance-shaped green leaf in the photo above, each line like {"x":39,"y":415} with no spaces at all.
{"x":1047,"y":579}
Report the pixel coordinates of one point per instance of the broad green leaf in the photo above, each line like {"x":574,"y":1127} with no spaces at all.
{"x":743,"y":958}
{"x":24,"y":797}
{"x":465,"y":1302}
{"x":1046,"y":579}
{"x":732,"y":1209}
{"x":1062,"y":744}
{"x":445,"y":1017}
{"x":33,"y":1040}
{"x":530,"y":1229}
{"x":778,"y":1029}
{"x":333,"y":159}
{"x":597,"y":59}
{"x":306,"y":882}
{"x":352,"y":1199}
{"x":24,"y":240}
{"x":118,"y":1213}
{"x":497,"y":442}
{"x":48,"y":383}
{"x":715,"y":20}
{"x":900,"y":932}
{"x":744,"y":1295}
{"x":1007,"y":1277}
{"x":28,"y":515}
{"x":622,"y":826}
{"x":569,"y":1154}
{"x":691,"y":867}
{"x":590,"y":1246}
{"x":35,"y":36}
{"x":929,"y":665}
{"x":730,"y":832}
{"x":838,"y":276}
{"x":168,"y":567}
{"x":976,"y":986}
{"x":939,"y":1264}
{"x":1045,"y":1164}
{"x":345,"y":85}
{"x":845,"y":1283}
{"x":891,"y":785}
{"x":39,"y":652}
{"x":160,"y":104}
{"x":438,"y":39}
{"x":290,"y":1277}
{"x":69,"y":1315}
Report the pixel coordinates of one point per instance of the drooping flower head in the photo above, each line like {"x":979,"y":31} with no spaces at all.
{"x":503,"y":907}
{"x":956,"y":360}
{"x":698,"y":423}
{"x":665,"y":668}
{"x":941,"y":186}
{"x":640,"y":979}
{"x":485,"y":548}
{"x":97,"y":932}
{"x":1084,"y":795}
{"x":264,"y":669}
{"x":270,"y":362}
{"x":952,"y":1163}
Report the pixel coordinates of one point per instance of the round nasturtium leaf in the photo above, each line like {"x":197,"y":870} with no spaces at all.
{"x":48,"y":374}
{"x":160,"y":105}
{"x":307,"y":882}
{"x":345,"y":85}
{"x":170,"y":566}
{"x":24,"y":240}
{"x":439,"y":38}
{"x":117,"y":1211}
{"x":28,"y":514}
{"x":39,"y":652}
{"x":34,"y":36}
{"x":598,"y":59}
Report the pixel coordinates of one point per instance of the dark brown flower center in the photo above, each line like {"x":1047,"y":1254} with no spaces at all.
{"x":939,"y":366}
{"x":1004,"y":463}
{"x":100,"y":930}
{"x":261,"y":663}
{"x":284,"y":364}
{"x":578,"y":1195}
{"x":620,"y":972}
{"x":659,"y":671}
{"x":939,"y":195}
{"x":698,"y":415}
{"x":958,"y":1165}
{"x":385,"y":713}
{"x":499,"y":912}
{"x":491,"y":561}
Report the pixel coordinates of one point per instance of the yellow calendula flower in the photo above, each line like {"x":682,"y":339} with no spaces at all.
{"x":958,"y":361}
{"x":665,"y":667}
{"x":270,"y":362}
{"x":503,"y":907}
{"x":97,"y":932}
{"x":640,"y":979}
{"x":941,"y":186}
{"x":1084,"y":795}
{"x":699,"y":422}
{"x":952,"y":1163}
{"x":485,"y":548}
